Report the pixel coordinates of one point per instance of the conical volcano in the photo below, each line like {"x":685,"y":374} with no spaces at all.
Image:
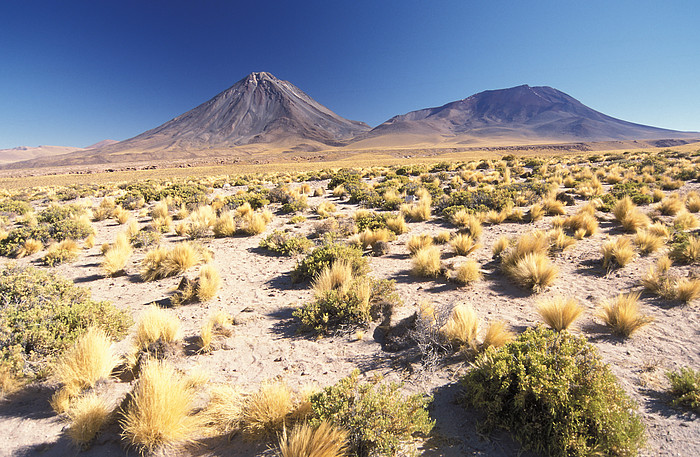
{"x":257,"y":109}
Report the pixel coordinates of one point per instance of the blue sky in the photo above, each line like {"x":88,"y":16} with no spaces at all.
{"x":77,"y":72}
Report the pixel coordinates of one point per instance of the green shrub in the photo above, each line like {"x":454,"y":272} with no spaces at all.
{"x":370,"y":220}
{"x":324,"y":256}
{"x":14,"y":206}
{"x":553,"y":392}
{"x":343,"y":177}
{"x":46,"y":233}
{"x":285,"y":243}
{"x":482,"y":200}
{"x":376,"y":415}
{"x":257,"y":199}
{"x":41,"y":314}
{"x":366,"y":299}
{"x":189,"y":194}
{"x":685,"y":248}
{"x":55,"y":214}
{"x":622,"y":190}
{"x":685,"y":388}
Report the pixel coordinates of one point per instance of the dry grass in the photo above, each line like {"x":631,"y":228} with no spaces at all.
{"x":462,"y":326}
{"x":648,"y":242}
{"x":559,"y":312}
{"x":617,"y":253}
{"x":442,"y":237}
{"x":307,"y":441}
{"x":160,"y":413}
{"x":417,"y":212}
{"x":29,"y":247}
{"x":325,"y":209}
{"x":337,"y":276}
{"x":582,"y":221}
{"x":629,"y":216}
{"x":426,"y":262}
{"x":244,"y":210}
{"x":397,"y":224}
{"x":692,"y":202}
{"x":657,"y":283}
{"x":201,"y":221}
{"x":224,"y":412}
{"x":117,"y":255}
{"x":208,"y":283}
{"x":157,"y":324}
{"x":659,"y":229}
{"x":469,"y":223}
{"x":87,"y":415}
{"x":670,"y":206}
{"x":65,"y":251}
{"x":372,"y":237}
{"x":254,"y":224}
{"x":497,"y":334}
{"x":553,"y":207}
{"x":467,"y":272}
{"x":225,"y":225}
{"x":687,"y":289}
{"x":90,"y":359}
{"x":535,"y":213}
{"x":533,"y":270}
{"x":685,"y":221}
{"x":463,"y":244}
{"x":558,"y":240}
{"x":500,"y":246}
{"x":160,"y":210}
{"x":218,"y":325}
{"x":267,"y":412}
{"x":162,"y":263}
{"x":622,"y":314}
{"x":418,"y":242}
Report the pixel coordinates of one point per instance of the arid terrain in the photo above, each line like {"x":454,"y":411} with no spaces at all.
{"x":517,"y":196}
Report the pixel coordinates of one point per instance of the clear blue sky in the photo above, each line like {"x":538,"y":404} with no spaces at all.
{"x":77,"y":72}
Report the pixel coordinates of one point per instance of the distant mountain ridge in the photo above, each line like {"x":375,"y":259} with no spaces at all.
{"x":521,"y":112}
{"x":261,"y":113}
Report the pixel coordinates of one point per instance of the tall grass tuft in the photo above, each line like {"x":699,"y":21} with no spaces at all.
{"x":622,"y":314}
{"x":267,"y":411}
{"x":304,"y":440}
{"x":559,"y":312}
{"x":426,"y":262}
{"x":462,"y":326}
{"x":87,"y":415}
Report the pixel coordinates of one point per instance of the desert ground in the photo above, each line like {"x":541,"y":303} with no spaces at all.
{"x":267,"y":341}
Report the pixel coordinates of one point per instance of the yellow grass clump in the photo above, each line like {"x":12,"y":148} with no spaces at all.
{"x":121,"y":215}
{"x":397,"y":224}
{"x":629,"y":216}
{"x":29,"y":247}
{"x":87,"y":415}
{"x":307,"y":441}
{"x":225,"y":225}
{"x":160,"y":210}
{"x":208,"y":283}
{"x":162,"y":263}
{"x":117,"y":255}
{"x":685,"y":221}
{"x":553,"y":207}
{"x":426,"y":262}
{"x":497,"y":334}
{"x":90,"y":359}
{"x":254,"y":224}
{"x":527,"y":263}
{"x":65,"y":251}
{"x":157,"y":324}
{"x":462,"y":326}
{"x":219,"y":324}
{"x":467,"y":272}
{"x":442,"y":237}
{"x":336,"y":277}
{"x":500,"y":246}
{"x":648,"y":242}
{"x":535,"y":213}
{"x":670,"y":206}
{"x":267,"y":411}
{"x":160,"y":412}
{"x":325,"y":209}
{"x":584,"y":222}
{"x":463,"y":244}
{"x":692,"y":202}
{"x":617,"y":253}
{"x":372,"y":237}
{"x":417,"y":242}
{"x":224,"y":412}
{"x":687,"y":289}
{"x":622,"y":314}
{"x":559,"y":312}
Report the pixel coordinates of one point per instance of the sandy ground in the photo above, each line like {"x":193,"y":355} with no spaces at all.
{"x":258,"y":291}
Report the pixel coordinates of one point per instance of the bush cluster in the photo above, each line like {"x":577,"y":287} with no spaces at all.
{"x":286,"y":243}
{"x":556,"y":395}
{"x":324,"y":256}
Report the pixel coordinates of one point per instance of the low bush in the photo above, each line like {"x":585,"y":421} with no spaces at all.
{"x":554,"y":393}
{"x":65,"y":251}
{"x":45,"y":232}
{"x":41,"y":314}
{"x":685,"y":388}
{"x":324,"y":256}
{"x":286,"y":243}
{"x":377,"y":417}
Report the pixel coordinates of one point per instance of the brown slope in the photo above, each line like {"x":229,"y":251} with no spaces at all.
{"x":258,"y":110}
{"x":518,"y":114}
{"x":23,"y":153}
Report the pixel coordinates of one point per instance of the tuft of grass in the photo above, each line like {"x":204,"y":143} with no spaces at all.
{"x":336,"y":277}
{"x":117,"y":255}
{"x":160,"y":411}
{"x":583,"y":222}
{"x":617,"y":253}
{"x":629,"y":216}
{"x":267,"y":411}
{"x":500,"y":246}
{"x":224,"y":412}
{"x":442,"y":237}
{"x":305,"y":440}
{"x":685,"y":388}
{"x":622,"y":314}
{"x":463,"y":244}
{"x":90,"y":359}
{"x":397,"y":224}
{"x":160,"y":210}
{"x":469,"y":223}
{"x":87,"y":415}
{"x":208,"y":283}
{"x":692,"y":202}
{"x":534,"y":271}
{"x":426,"y":262}
{"x":162,"y":263}
{"x":418,"y":242}
{"x":535,"y":213}
{"x":157,"y":324}
{"x":685,"y":248}
{"x":65,"y":251}
{"x":648,"y":242}
{"x":254,"y":224}
{"x":29,"y":247}
{"x":219,"y":324}
{"x":559,"y":312}
{"x":687,"y":289}
{"x":462,"y":326}
{"x":670,"y":206}
{"x":224,"y":225}
{"x":685,"y":221}
{"x":467,"y":272}
{"x":497,"y":334}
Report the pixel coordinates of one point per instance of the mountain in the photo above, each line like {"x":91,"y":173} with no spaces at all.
{"x":257,"y":109}
{"x":101,"y":144}
{"x":22,"y":153}
{"x":517,"y":114}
